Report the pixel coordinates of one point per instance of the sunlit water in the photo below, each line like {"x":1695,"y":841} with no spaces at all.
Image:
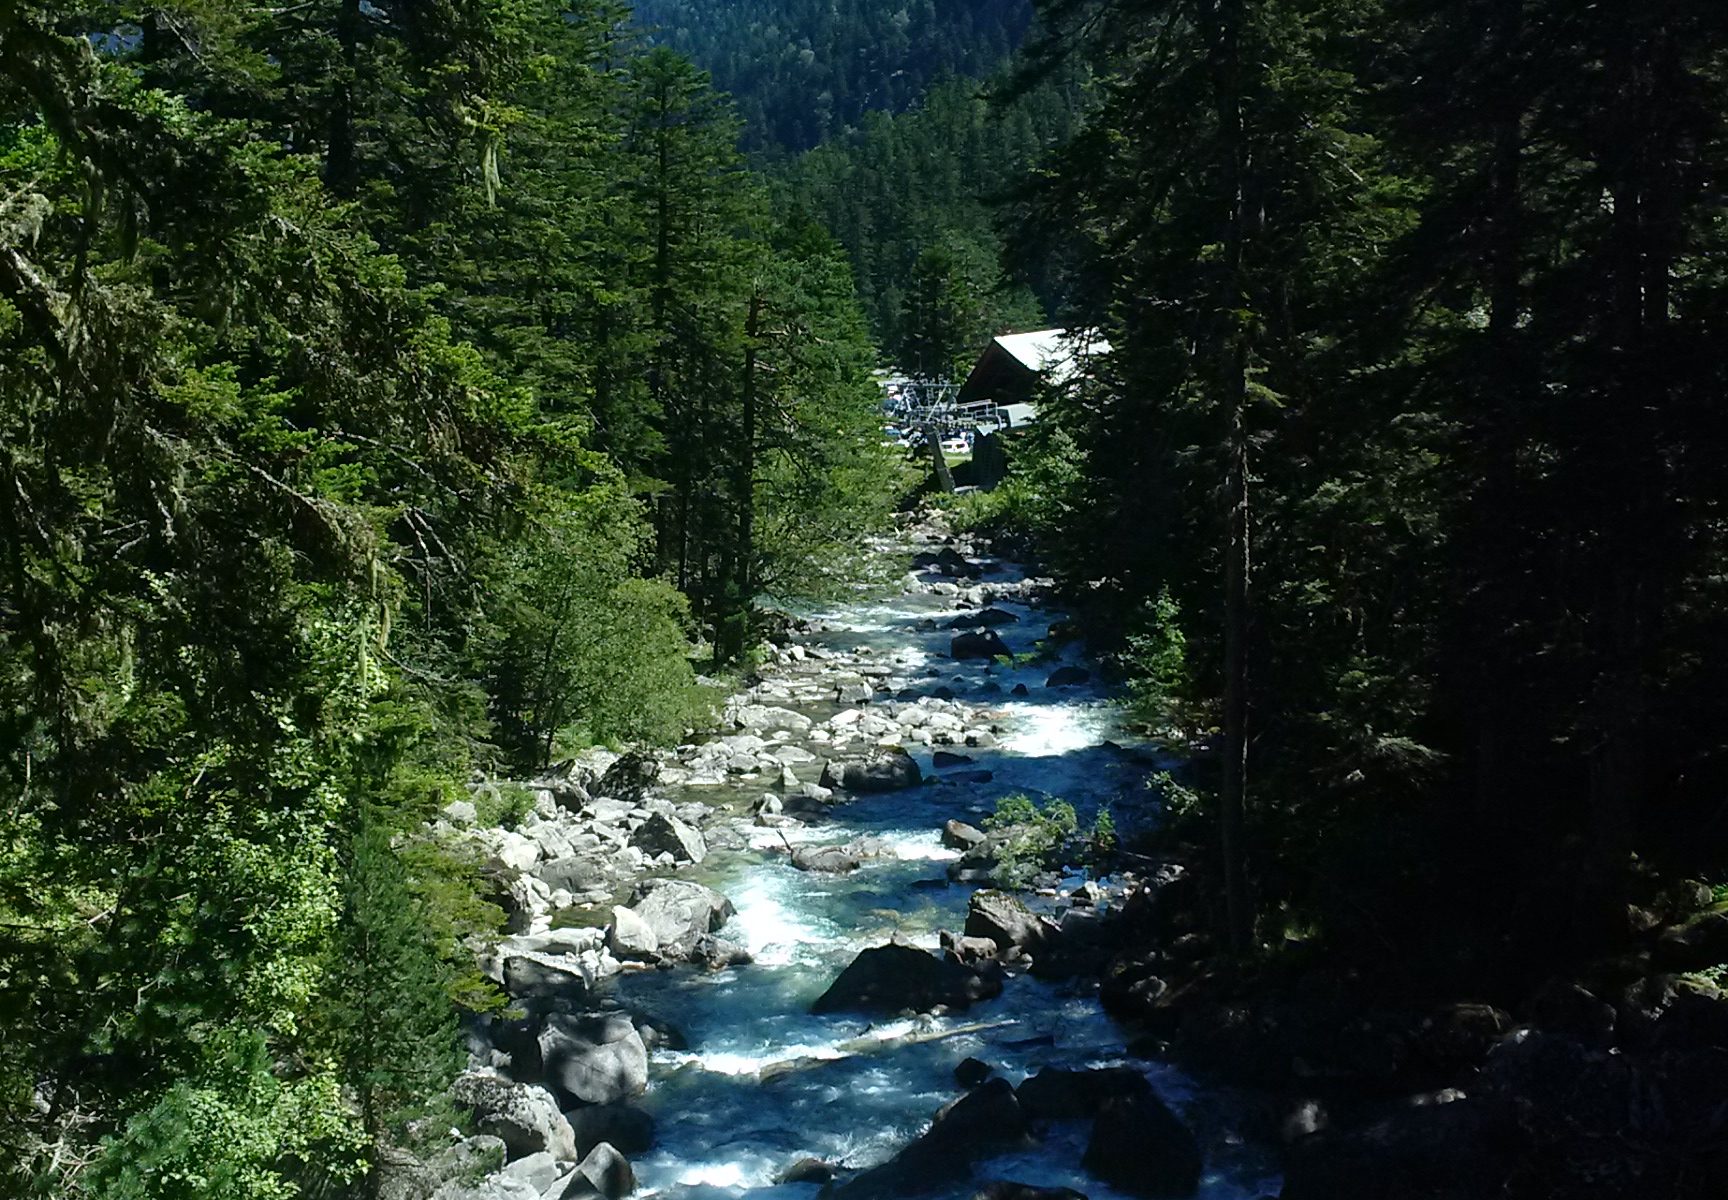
{"x":766,"y":1083}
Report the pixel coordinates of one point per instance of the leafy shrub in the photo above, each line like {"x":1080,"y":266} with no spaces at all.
{"x":1035,"y":839}
{"x":1155,"y":664}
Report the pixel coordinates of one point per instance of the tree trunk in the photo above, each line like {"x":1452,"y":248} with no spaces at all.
{"x":745,"y":551}
{"x":341,"y":168}
{"x":1233,"y":386}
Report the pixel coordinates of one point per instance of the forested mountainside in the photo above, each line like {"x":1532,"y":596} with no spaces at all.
{"x":919,"y":201}
{"x":803,"y":73}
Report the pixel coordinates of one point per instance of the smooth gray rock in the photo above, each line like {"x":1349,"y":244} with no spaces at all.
{"x":1006,"y":921}
{"x":631,"y":937}
{"x":597,"y":1058}
{"x":538,"y":1171}
{"x":679,"y":912}
{"x":603,"y":1172}
{"x":524,"y":1117}
{"x":831,"y":860}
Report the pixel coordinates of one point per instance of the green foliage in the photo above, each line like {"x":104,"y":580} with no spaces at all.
{"x":502,"y":805}
{"x":231,"y":1128}
{"x":1033,"y":839}
{"x":802,"y":74}
{"x":1154,"y":661}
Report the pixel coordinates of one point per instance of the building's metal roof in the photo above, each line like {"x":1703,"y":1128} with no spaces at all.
{"x":1049,"y":351}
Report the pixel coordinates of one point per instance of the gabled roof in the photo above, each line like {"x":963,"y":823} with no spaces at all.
{"x":1048,"y":353}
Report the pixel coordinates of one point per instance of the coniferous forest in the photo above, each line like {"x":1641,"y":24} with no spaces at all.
{"x":486,"y":713}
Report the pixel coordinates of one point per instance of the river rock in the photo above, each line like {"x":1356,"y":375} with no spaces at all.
{"x":986,"y":1120}
{"x":538,"y":1171}
{"x":575,"y":873}
{"x":479,"y":1155}
{"x":979,"y":643}
{"x":666,"y":834}
{"x":1004,"y":1189}
{"x":717,"y":952}
{"x":832,"y":860}
{"x":627,"y":1129}
{"x":1457,"y":1151}
{"x":603,"y":1172}
{"x":1058,"y":1094}
{"x":1006,"y":921}
{"x":943,"y":759}
{"x":679,"y":912}
{"x":631,"y":936}
{"x":884,"y":772}
{"x":597,"y":1058}
{"x":806,"y":1170}
{"x":762,"y":718}
{"x":970,"y":1072}
{"x":1139,"y":1146}
{"x":893,"y":978}
{"x":524,"y":1117}
{"x":629,"y":778}
{"x":496,"y":1187}
{"x":984,"y":618}
{"x":957,"y":835}
{"x":543,"y":976}
{"x":1068,"y":677}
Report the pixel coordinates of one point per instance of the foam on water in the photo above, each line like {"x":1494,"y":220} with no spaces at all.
{"x":1048,"y":730}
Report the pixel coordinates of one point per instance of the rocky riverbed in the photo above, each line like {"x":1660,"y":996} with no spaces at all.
{"x":760,"y":963}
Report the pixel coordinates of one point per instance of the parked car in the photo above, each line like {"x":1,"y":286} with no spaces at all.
{"x":957,"y":443}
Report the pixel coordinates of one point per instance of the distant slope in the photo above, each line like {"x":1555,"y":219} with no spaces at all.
{"x":801,"y":72}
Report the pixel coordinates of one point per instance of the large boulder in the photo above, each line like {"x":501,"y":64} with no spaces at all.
{"x":575,"y":873}
{"x":1006,"y":921}
{"x":1058,"y":1094}
{"x":538,"y":1171}
{"x":1068,"y":677}
{"x":1139,"y":1146}
{"x":958,"y":835}
{"x":597,"y":1058}
{"x":884,"y":772}
{"x":894,"y":978}
{"x":533,"y":975}
{"x":603,"y":1173}
{"x":629,"y":778}
{"x":763,"y":718}
{"x":987,"y":1120}
{"x":524,"y":1117}
{"x":680,"y":912}
{"x":665,"y":834}
{"x":1701,"y":942}
{"x":626,"y":1129}
{"x":832,"y":860}
{"x":631,"y":936}
{"x":979,"y":643}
